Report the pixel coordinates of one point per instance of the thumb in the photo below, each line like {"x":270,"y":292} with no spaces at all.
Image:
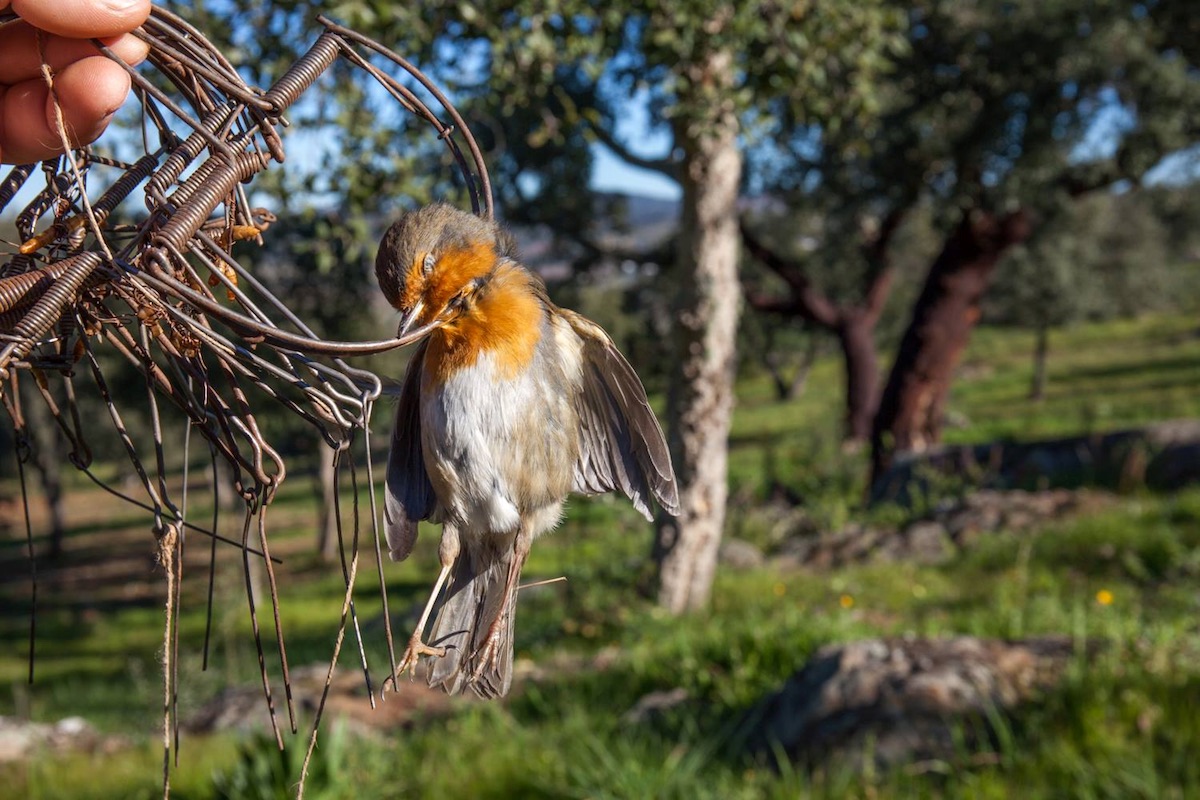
{"x":82,"y":19}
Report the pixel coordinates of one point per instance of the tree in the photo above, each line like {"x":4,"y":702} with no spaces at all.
{"x":1023,"y":121}
{"x":1098,"y":257}
{"x":46,"y":455}
{"x":990,"y":114}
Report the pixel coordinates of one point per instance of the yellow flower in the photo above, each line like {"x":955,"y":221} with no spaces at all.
{"x":1104,"y":597}
{"x":846,"y":601}
{"x":779,"y":589}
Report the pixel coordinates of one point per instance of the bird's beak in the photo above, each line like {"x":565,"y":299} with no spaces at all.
{"x":409,"y":318}
{"x":410,"y":332}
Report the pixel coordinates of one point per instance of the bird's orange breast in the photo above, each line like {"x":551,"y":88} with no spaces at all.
{"x":504,"y":320}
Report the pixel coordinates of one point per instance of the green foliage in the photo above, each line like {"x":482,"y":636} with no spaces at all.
{"x":542,"y":81}
{"x":264,"y":772}
{"x":651,"y":46}
{"x":828,"y":246}
{"x":1101,"y":256}
{"x":995,"y":105}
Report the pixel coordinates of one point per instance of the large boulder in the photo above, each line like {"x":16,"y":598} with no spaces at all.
{"x":902,"y":701}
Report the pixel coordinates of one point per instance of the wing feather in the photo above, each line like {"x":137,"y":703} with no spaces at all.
{"x":622,"y":447}
{"x":408,"y":496}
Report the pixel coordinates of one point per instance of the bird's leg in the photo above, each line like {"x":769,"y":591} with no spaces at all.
{"x":521,"y":545}
{"x":447,"y":554}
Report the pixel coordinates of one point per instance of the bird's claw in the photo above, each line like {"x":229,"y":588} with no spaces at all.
{"x":486,"y":656}
{"x":408,"y":662}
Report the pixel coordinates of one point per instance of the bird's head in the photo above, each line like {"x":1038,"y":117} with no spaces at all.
{"x":433,"y":262}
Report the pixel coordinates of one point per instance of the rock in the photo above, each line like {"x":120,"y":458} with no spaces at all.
{"x":927,"y":542}
{"x":952,"y":525}
{"x":20,"y":739}
{"x":654,"y":704}
{"x":795,"y":552}
{"x":1161,"y":456}
{"x":1174,"y":466}
{"x":856,"y":543}
{"x":740,"y":554}
{"x":898,"y":702}
{"x":891,"y":547}
{"x":243,"y":708}
{"x":561,"y":664}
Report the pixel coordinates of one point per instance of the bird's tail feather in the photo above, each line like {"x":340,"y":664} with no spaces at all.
{"x":475,"y":598}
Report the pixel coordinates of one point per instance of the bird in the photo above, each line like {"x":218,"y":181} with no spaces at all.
{"x":508,"y":405}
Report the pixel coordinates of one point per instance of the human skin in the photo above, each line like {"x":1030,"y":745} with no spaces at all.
{"x":88,"y":86}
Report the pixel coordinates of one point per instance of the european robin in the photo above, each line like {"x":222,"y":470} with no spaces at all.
{"x":509,"y":404}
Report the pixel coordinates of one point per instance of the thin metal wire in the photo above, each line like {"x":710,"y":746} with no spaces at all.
{"x":212,"y":557}
{"x":22,"y":452}
{"x":350,"y":574}
{"x":274,"y":587}
{"x":262,"y":660}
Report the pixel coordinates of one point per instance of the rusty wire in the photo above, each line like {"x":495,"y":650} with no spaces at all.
{"x":78,"y":281}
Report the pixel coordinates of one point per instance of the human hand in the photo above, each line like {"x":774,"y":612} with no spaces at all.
{"x":90,"y":88}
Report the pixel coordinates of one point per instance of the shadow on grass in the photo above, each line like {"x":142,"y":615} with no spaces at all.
{"x":1120,"y":371}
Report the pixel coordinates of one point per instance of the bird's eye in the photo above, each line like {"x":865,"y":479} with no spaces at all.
{"x":427,"y":264}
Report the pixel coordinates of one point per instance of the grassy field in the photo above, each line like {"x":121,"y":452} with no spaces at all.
{"x":1120,"y":725}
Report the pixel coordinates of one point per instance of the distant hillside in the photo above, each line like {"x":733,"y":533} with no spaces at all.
{"x":629,"y":225}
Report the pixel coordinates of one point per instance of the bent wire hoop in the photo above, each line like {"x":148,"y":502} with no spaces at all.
{"x":82,"y":278}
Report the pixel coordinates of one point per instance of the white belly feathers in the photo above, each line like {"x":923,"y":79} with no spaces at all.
{"x":497,"y":447}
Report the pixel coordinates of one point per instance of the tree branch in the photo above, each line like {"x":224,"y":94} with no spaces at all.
{"x":877,"y":291}
{"x":879,"y":283}
{"x":1092,"y":176}
{"x":787,"y":307}
{"x":663,"y":166}
{"x":809,"y":302}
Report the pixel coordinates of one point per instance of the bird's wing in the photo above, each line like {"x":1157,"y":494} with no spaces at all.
{"x":409,"y":495}
{"x":621,"y":444}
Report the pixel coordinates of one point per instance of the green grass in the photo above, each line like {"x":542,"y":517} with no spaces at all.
{"x":1101,"y":377}
{"x":1119,"y":725}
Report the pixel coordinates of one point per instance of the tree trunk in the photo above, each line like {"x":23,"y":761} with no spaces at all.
{"x":700,"y":400}
{"x":47,"y":463}
{"x":913,"y":401}
{"x":856,"y":335}
{"x":774,"y":363}
{"x":327,"y":522}
{"x":1037,"y":388}
{"x":777,"y":363}
{"x":800,"y":379}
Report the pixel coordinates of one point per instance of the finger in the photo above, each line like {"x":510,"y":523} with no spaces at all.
{"x":21,"y":55}
{"x":26,"y":135}
{"x":89,"y":92}
{"x":83,"y":19}
{"x":3,"y":95}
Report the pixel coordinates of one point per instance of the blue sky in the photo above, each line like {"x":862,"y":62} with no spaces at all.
{"x":611,"y":174}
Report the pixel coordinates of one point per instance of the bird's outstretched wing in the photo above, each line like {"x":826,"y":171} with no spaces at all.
{"x":621,"y":444}
{"x":409,"y":496}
